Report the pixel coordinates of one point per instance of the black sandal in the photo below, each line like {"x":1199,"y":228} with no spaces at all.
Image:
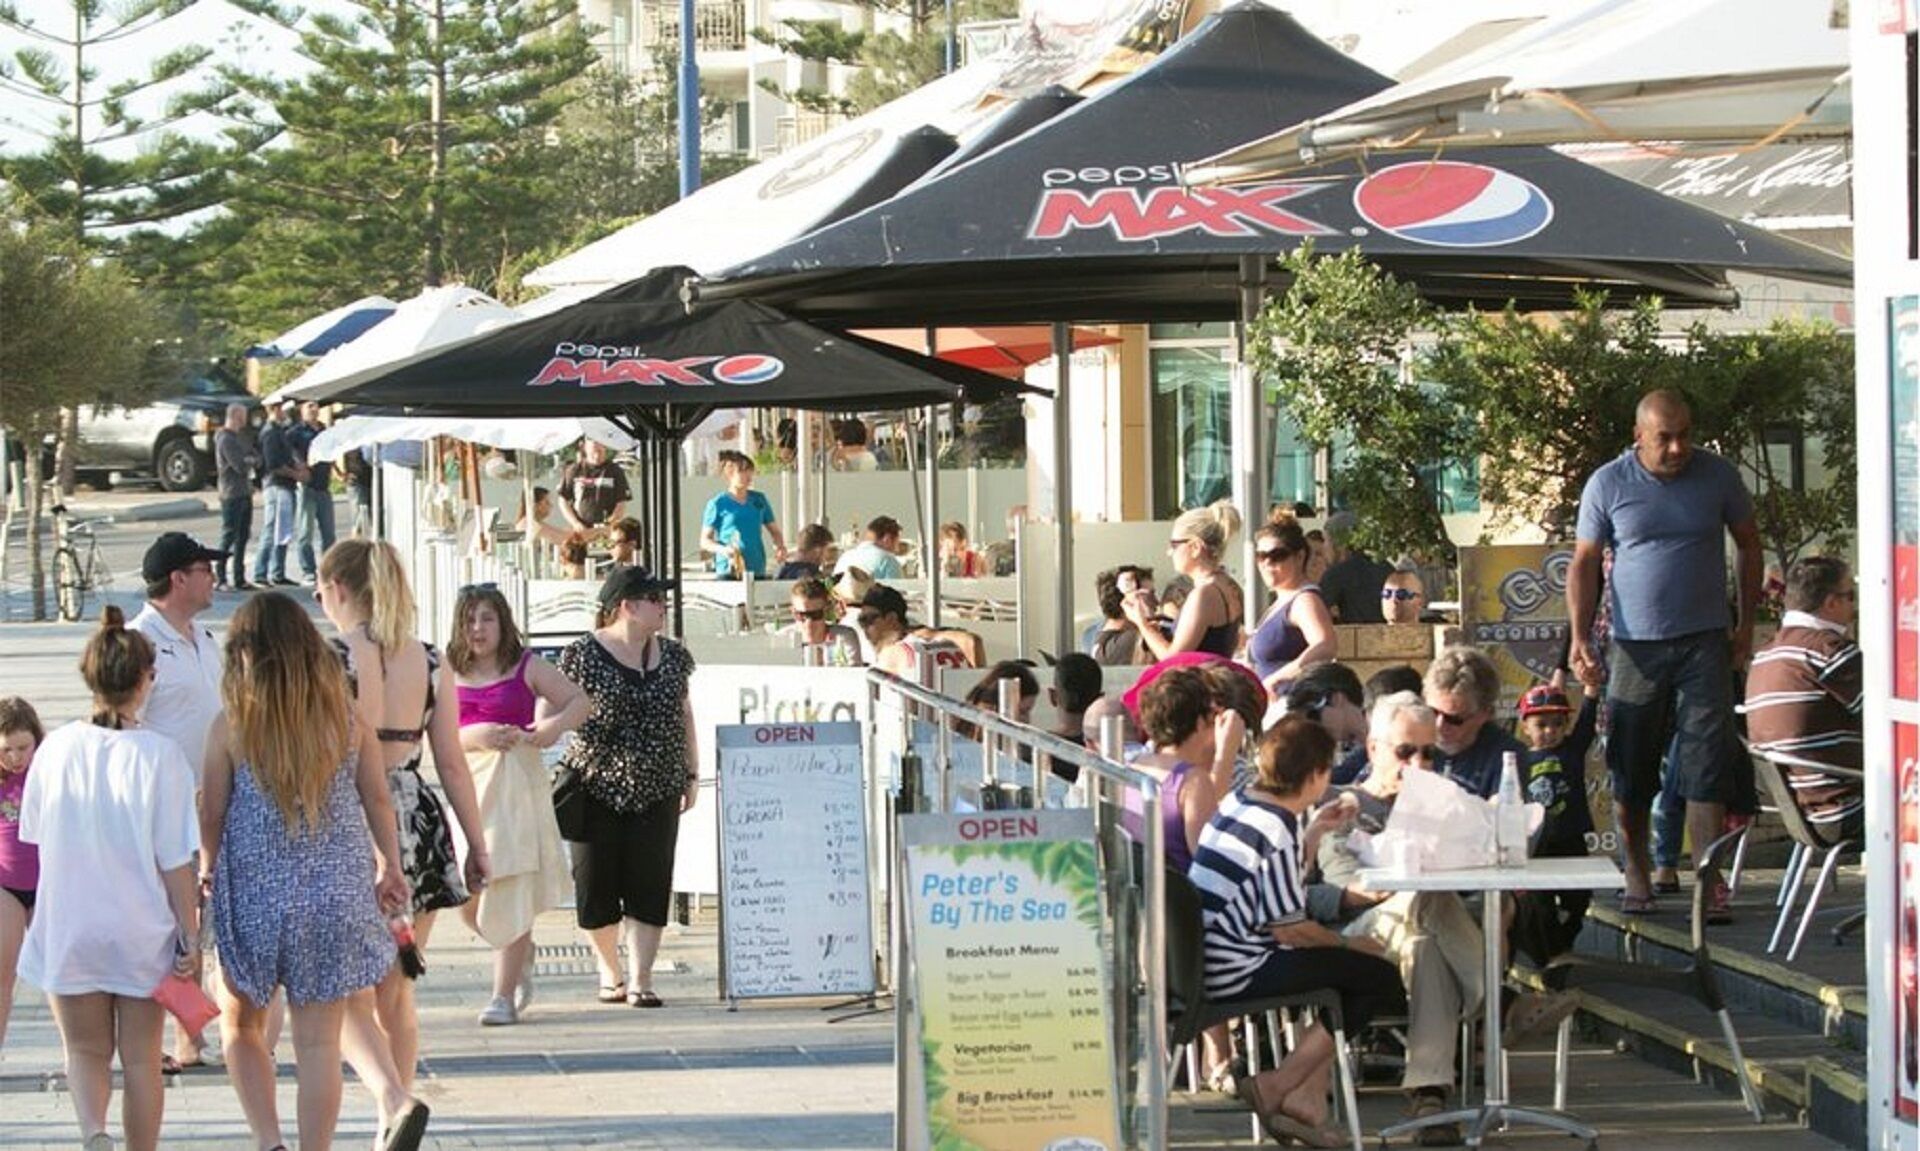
{"x":644,"y":998}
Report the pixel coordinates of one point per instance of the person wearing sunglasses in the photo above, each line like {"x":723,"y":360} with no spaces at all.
{"x":814,"y":624}
{"x":1297,"y":631}
{"x":1212,"y":616}
{"x":1462,"y":686}
{"x":1403,"y":597}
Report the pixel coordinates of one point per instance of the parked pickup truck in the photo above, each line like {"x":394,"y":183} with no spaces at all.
{"x":170,"y":439}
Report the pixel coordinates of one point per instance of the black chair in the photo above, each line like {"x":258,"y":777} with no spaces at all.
{"x":1696,"y":980}
{"x":1190,"y":1011}
{"x":1813,"y":839}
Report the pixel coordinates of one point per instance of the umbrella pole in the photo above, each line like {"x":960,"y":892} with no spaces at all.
{"x":803,"y":468}
{"x":672,"y":565}
{"x":1250,"y":463}
{"x":1062,"y":491}
{"x":932,"y":453}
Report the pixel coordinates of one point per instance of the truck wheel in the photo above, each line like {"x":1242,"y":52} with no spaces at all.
{"x":180,"y":466}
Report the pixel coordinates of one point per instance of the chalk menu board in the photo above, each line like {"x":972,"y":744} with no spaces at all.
{"x":793,"y":861}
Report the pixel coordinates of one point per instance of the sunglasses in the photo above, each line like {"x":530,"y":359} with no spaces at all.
{"x":474,"y":587}
{"x":1399,"y":594}
{"x":1452,"y":719}
{"x":1273,"y":556}
{"x":810,"y":614}
{"x":1405,"y":752}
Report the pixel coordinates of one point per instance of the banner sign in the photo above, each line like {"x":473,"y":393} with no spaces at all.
{"x":1906,"y":896}
{"x":1010,"y":981}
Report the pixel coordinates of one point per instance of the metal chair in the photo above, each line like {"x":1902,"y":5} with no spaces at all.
{"x":1696,"y":980}
{"x":1808,"y":835}
{"x":1190,"y":1010}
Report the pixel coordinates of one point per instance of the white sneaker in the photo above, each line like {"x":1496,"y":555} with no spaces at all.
{"x":499,"y":1013}
{"x":523,"y":994}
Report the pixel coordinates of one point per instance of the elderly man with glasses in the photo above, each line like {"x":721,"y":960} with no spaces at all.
{"x":1462,"y":687}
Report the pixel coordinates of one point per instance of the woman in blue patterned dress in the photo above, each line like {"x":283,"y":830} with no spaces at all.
{"x":296,"y":892}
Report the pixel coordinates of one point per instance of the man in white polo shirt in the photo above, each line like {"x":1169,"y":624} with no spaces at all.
{"x":180,"y":573}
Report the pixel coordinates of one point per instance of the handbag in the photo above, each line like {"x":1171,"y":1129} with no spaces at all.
{"x":184,"y":999}
{"x":570,"y":805}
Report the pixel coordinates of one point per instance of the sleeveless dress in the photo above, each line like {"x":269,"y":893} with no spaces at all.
{"x":295,"y":907}
{"x":1277,"y":642}
{"x":530,"y":868}
{"x":426,"y":841}
{"x":1222,"y":640}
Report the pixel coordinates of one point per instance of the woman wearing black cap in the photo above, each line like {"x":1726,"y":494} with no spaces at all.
{"x":635,"y":761}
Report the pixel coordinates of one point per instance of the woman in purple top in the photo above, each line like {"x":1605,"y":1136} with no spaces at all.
{"x":1297,"y":631}
{"x":20,"y":735}
{"x":513,"y":706}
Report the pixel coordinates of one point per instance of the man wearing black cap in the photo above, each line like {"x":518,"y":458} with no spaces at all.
{"x":898,"y":647}
{"x":180,"y":573}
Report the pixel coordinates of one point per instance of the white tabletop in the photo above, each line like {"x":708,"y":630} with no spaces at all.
{"x":1579,"y":873}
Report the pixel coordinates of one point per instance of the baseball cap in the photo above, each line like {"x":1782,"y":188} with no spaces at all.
{"x":627,"y":583}
{"x":886,"y":600}
{"x":1544,"y":699}
{"x":176,"y":551}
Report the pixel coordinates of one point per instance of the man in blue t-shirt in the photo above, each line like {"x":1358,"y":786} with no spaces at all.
{"x":730,"y":531}
{"x":1665,"y":507}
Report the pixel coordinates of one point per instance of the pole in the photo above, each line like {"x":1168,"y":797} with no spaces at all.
{"x":1250,"y":463}
{"x":672,"y":563}
{"x":953,"y":40}
{"x":932,"y":456}
{"x":689,"y":113}
{"x":1062,"y":490}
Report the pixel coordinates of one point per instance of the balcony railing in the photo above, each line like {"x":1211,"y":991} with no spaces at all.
{"x":801,"y":126}
{"x":718,"y":25}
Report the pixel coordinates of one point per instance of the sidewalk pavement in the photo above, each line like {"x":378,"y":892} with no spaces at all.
{"x":770,"y":1075}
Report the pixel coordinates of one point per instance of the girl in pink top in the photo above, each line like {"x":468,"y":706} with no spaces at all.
{"x":513,"y":706}
{"x":20,"y":735}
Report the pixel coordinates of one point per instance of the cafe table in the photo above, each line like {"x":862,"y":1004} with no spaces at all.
{"x":1583,"y":873}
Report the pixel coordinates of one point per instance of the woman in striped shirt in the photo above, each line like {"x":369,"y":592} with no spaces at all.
{"x":1259,"y":941}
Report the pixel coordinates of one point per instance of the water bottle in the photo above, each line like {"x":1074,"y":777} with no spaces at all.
{"x":1510,"y":814}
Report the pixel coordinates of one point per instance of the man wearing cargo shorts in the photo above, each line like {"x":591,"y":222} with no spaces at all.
{"x":1663,"y":506}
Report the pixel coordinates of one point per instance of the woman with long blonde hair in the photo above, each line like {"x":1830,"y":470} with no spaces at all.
{"x":297,"y":899}
{"x":398,"y":682}
{"x":1211,"y":618}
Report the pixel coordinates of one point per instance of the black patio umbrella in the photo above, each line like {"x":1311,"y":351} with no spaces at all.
{"x":1085,"y":218}
{"x":641,"y":357}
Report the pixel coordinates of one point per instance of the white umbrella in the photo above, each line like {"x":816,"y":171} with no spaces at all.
{"x":1725,"y":70}
{"x":542,"y":436}
{"x":429,"y":320}
{"x":326,"y":331}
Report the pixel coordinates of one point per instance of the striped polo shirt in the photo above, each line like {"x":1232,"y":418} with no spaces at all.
{"x":1249,"y":876}
{"x":1803,"y":712}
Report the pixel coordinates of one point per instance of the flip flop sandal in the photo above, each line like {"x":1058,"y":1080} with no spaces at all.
{"x":409,"y":1127}
{"x":1666,"y":887}
{"x":1284,"y":1128}
{"x":1638,"y":905}
{"x":613,"y":992}
{"x":643,"y":999}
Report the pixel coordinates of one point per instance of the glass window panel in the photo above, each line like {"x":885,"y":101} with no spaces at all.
{"x":1192,"y":434}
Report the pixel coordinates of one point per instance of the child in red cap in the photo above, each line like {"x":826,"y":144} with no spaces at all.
{"x":1554,"y":772}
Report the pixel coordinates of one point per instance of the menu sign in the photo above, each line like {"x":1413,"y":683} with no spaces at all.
{"x":793,"y":860}
{"x":1011,"y":984}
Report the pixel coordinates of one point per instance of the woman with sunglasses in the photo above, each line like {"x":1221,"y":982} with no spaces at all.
{"x":814,"y":624}
{"x":397,"y":683}
{"x":1297,"y":631}
{"x":513,"y":706}
{"x":1212,"y":616}
{"x":635,"y":759}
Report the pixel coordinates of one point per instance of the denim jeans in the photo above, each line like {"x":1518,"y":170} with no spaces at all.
{"x":1675,"y":692}
{"x":236,"y":524}
{"x":1669,"y":815}
{"x":276,"y":532}
{"x":314,"y":514}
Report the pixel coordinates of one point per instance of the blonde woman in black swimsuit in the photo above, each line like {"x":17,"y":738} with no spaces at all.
{"x":1212,"y":616}
{"x":401,"y":685}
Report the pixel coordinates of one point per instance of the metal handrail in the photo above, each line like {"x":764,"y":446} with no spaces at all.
{"x":994,"y":727}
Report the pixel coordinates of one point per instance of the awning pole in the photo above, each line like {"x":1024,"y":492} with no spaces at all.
{"x":672,"y":565}
{"x":932,"y":456}
{"x":1250,"y":489}
{"x":803,"y":468}
{"x":1062,"y":491}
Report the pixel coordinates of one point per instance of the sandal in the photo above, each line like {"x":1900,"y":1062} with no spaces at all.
{"x":644,"y":998}
{"x":409,"y":1127}
{"x":613,"y":992}
{"x":1637,"y":904}
{"x":1282,"y":1127}
{"x":1222,"y":1080}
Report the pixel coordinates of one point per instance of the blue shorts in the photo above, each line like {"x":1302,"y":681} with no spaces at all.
{"x":1679,"y":689}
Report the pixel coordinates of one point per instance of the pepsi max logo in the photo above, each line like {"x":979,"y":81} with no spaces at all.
{"x":753,"y":369}
{"x":1450,"y":204}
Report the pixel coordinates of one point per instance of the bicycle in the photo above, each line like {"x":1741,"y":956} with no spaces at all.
{"x":78,"y":566}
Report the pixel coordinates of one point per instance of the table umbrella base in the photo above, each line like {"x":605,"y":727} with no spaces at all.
{"x":1489,"y":1117}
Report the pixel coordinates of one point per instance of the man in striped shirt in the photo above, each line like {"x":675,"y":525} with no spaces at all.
{"x":1803,"y":695}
